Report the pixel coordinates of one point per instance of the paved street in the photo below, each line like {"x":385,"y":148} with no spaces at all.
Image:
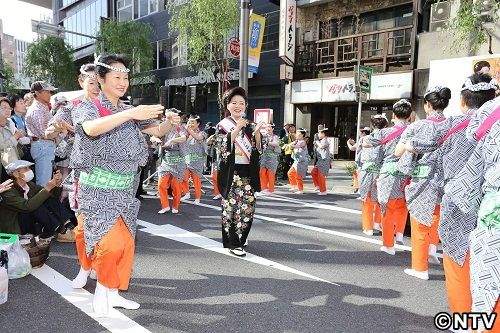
{"x":309,"y":268}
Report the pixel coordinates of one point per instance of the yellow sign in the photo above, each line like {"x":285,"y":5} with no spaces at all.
{"x":256,"y":35}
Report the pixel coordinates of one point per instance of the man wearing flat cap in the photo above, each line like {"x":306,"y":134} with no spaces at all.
{"x":28,"y":208}
{"x":43,"y":149}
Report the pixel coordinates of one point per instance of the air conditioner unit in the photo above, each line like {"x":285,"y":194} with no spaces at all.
{"x":440,"y":14}
{"x":438,"y":26}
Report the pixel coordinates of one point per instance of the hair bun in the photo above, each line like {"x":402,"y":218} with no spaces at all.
{"x":445,"y":93}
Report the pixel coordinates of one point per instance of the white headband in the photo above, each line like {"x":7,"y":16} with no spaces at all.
{"x":435,"y":89}
{"x":381,"y":116}
{"x":98,"y":63}
{"x":87,"y":74}
{"x":401,"y":102}
{"x":481,"y":86}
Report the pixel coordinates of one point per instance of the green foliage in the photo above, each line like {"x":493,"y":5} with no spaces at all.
{"x":350,"y":168}
{"x":132,"y":39}
{"x":10,"y":83}
{"x":51,"y":59}
{"x":468,"y":26}
{"x":205,"y":26}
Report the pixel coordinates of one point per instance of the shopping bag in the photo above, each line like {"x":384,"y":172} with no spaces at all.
{"x":4,"y":277}
{"x":19,"y":260}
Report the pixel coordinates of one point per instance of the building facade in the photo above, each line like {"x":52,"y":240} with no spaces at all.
{"x":332,"y":39}
{"x":13,"y":52}
{"x":195,"y":91}
{"x":84,"y":17}
{"x":441,"y":61}
{"x":8,"y":46}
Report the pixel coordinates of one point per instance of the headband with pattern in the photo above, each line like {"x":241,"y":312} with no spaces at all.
{"x":121,"y":70}
{"x":481,"y":86}
{"x":193,"y":117}
{"x":87,"y":74}
{"x":381,"y":116}
{"x":302,"y":130}
{"x":435,"y":89}
{"x":401,"y":102}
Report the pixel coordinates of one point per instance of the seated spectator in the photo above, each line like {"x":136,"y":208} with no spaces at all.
{"x":28,"y":208}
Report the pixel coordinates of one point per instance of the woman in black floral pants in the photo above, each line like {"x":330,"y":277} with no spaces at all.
{"x":238,"y":177}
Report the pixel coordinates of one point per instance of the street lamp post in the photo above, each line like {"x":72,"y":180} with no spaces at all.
{"x":244,"y":18}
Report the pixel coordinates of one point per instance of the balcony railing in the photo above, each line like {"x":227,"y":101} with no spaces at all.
{"x":385,"y":50}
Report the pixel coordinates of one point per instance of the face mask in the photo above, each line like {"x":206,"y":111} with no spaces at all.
{"x":28,"y":176}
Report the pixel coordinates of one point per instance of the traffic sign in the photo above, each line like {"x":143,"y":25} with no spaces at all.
{"x":234,"y":47}
{"x":364,"y":78}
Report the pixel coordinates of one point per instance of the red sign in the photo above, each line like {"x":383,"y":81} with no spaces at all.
{"x":234,"y":46}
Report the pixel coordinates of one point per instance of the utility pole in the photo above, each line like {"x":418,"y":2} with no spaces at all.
{"x":244,"y":20}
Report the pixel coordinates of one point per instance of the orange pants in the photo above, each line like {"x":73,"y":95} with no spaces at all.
{"x":355,"y":180}
{"x":319,"y":179}
{"x":196,"y":182}
{"x":267,"y":178}
{"x":295,"y":179}
{"x":185,"y":182}
{"x":166,"y":182}
{"x":368,"y":209}
{"x":214,"y":180}
{"x":394,"y":220}
{"x":421,"y":237}
{"x":114,"y":256}
{"x":85,"y":261}
{"x":458,"y":284}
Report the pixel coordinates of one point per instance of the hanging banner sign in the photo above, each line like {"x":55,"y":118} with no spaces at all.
{"x":256,"y":35}
{"x":288,"y":17}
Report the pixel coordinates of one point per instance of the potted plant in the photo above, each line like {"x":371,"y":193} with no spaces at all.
{"x":352,"y":170}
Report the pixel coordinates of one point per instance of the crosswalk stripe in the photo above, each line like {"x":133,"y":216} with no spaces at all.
{"x":115,"y":322}
{"x":312,"y":228}
{"x":187,"y":237}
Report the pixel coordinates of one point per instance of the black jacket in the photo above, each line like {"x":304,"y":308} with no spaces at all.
{"x":226,"y":167}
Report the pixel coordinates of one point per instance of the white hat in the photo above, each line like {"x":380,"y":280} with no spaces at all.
{"x":13,"y":166}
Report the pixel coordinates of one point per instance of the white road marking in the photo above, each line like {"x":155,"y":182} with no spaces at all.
{"x":115,"y":322}
{"x":187,"y":237}
{"x":317,"y":229}
{"x":312,"y":205}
